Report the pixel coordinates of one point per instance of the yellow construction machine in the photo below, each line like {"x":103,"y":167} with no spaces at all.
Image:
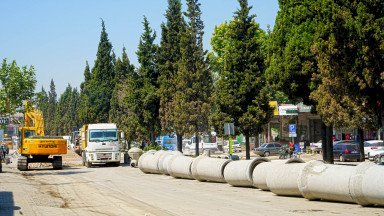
{"x":34,"y":146}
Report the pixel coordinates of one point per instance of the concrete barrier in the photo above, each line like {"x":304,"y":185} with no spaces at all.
{"x":367,"y":184}
{"x":205,"y":168}
{"x":283,"y":180}
{"x":321,"y":181}
{"x":180,"y":167}
{"x":260,"y":173}
{"x":239,"y":173}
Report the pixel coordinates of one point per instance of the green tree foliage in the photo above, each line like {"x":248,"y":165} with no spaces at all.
{"x":193,"y":80}
{"x":148,"y":76}
{"x":168,"y":59}
{"x":240,"y":93}
{"x":120,"y":112}
{"x":102,"y":82}
{"x":291,"y":62}
{"x":83,"y":111}
{"x":50,"y":124}
{"x":16,"y":84}
{"x":66,"y":117}
{"x":349,"y":48}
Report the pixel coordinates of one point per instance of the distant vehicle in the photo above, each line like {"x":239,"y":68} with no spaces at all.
{"x":371,"y":145}
{"x":267,"y":149}
{"x":205,"y":142}
{"x":346,"y":151}
{"x":169,"y":142}
{"x":375,"y":153}
{"x":235,"y":146}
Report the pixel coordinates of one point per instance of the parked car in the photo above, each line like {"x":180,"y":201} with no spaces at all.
{"x":346,"y":151}
{"x":375,"y":153}
{"x":267,"y":149}
{"x":371,"y":145}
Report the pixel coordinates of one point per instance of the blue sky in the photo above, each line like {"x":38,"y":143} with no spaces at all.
{"x":57,"y":37}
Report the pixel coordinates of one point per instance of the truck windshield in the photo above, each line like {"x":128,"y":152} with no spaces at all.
{"x":102,"y":135}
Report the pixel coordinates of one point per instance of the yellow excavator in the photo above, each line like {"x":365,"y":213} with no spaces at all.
{"x":34,"y":146}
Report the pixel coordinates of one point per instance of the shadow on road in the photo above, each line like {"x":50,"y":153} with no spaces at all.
{"x":7,"y":205}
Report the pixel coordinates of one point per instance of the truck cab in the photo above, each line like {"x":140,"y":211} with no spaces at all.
{"x":100,"y":144}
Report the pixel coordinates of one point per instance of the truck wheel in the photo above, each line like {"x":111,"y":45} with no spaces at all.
{"x":57,"y":162}
{"x":88,"y":164}
{"x":22,"y":163}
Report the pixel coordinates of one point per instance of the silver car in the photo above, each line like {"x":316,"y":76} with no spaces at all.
{"x":267,"y":149}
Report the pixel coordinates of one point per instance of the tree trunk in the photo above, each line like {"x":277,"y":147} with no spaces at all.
{"x":247,"y":154}
{"x":327,"y":143}
{"x":360,"y":133}
{"x":197,"y":145}
{"x":179,"y":138}
{"x":323,"y":141}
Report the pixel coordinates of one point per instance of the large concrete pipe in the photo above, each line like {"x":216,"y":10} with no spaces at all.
{"x":164,"y":161}
{"x":260,"y":173}
{"x":239,"y":173}
{"x":152,"y":163}
{"x":283,"y":180}
{"x":180,"y":167}
{"x":321,"y":181}
{"x":367,"y":184}
{"x":142,"y":163}
{"x":205,"y":168}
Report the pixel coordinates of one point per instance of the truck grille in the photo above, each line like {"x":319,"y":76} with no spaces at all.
{"x":104,"y":156}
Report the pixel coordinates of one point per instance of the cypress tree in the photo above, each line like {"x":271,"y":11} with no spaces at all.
{"x":168,"y":58}
{"x":193,"y":80}
{"x":102,"y":80}
{"x":83,"y":110}
{"x":148,"y":75}
{"x":50,"y":124}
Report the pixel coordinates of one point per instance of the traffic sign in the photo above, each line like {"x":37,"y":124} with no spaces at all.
{"x":292,"y":130}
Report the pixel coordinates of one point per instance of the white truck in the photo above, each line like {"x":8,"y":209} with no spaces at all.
{"x":100,"y":144}
{"x":205,"y":142}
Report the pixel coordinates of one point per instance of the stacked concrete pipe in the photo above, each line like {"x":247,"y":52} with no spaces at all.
{"x":283,"y":180}
{"x":260,"y":173}
{"x":321,"y":181}
{"x":180,"y":167}
{"x":367,"y":184}
{"x":145,"y":159}
{"x":164,"y":161}
{"x":205,"y":168}
{"x":239,"y":173}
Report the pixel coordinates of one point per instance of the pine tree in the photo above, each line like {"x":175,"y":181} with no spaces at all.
{"x":193,"y":80}
{"x":83,"y":110}
{"x":49,"y":122}
{"x":240,"y":95}
{"x":123,"y":69}
{"x":148,"y":76}
{"x":168,"y":58}
{"x":102,"y":80}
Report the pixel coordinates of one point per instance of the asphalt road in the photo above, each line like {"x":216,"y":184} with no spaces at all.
{"x":123,"y":190}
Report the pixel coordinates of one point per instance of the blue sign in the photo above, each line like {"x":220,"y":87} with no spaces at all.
{"x":292,"y":130}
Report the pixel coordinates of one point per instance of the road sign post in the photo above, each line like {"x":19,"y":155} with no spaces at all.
{"x":229,"y":129}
